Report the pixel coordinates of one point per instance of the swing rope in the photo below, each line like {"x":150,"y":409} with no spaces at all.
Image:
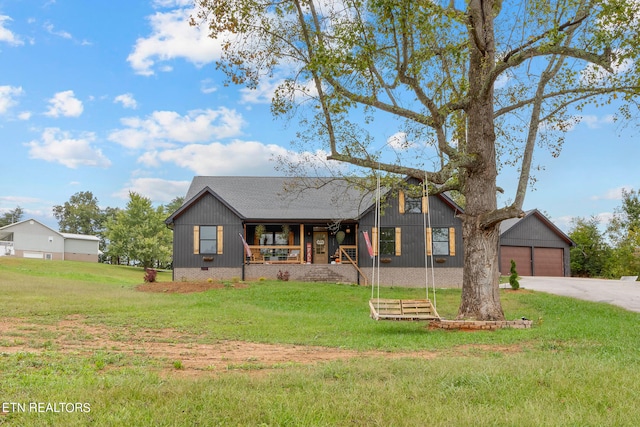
{"x":428,"y":255}
{"x":376,"y":259}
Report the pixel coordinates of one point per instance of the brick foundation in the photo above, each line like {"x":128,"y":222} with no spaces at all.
{"x":331,"y":273}
{"x":478,"y":325}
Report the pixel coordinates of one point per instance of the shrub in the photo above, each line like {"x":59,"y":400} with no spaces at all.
{"x":283,"y":275}
{"x":150,"y":275}
{"x":513,"y":279}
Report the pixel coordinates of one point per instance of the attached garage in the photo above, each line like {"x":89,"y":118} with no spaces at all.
{"x":537,"y":246}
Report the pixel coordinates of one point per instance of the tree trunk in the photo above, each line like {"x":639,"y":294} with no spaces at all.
{"x":480,"y":287}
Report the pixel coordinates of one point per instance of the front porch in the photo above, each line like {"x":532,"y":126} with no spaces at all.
{"x":301,"y":243}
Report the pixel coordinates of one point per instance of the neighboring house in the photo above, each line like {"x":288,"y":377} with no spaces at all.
{"x":32,"y":239}
{"x":252,"y":227}
{"x":537,"y":246}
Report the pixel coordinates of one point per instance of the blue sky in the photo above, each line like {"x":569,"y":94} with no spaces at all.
{"x":118,"y":96}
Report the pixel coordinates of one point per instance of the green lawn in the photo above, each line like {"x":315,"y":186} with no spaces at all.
{"x":578,"y":365}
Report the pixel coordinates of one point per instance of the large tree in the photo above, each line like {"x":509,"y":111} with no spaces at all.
{"x":482,"y":81}
{"x":80,"y":215}
{"x":138,"y":233}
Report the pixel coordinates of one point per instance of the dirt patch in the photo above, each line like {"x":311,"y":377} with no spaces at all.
{"x":186,"y":287}
{"x":173,"y":352}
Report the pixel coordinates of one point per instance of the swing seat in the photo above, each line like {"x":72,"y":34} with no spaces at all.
{"x":408,"y":309}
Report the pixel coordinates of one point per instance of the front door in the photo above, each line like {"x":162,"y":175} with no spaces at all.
{"x":320,"y":247}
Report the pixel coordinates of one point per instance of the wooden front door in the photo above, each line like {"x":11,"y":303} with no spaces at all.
{"x":320,"y":247}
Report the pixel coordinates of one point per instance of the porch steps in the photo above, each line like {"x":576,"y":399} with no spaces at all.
{"x":323,"y":274}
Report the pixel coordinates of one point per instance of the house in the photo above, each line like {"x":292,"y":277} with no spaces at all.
{"x":316,"y":229}
{"x":536,"y":245}
{"x":32,"y":239}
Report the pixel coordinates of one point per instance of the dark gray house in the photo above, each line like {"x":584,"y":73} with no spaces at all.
{"x":315,"y":229}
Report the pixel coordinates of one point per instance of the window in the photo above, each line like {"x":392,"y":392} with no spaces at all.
{"x":413,"y":204}
{"x":208,"y":239}
{"x":440,"y":241}
{"x":387,"y":241}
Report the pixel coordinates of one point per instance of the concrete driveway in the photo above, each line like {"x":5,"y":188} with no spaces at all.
{"x":625,"y":294}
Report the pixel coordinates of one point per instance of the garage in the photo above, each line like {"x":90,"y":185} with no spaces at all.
{"x":521,"y":255}
{"x":548,"y":262}
{"x":532,"y":261}
{"x":538,"y":247}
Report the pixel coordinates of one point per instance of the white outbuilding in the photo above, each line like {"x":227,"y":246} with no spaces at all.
{"x":32,"y":239}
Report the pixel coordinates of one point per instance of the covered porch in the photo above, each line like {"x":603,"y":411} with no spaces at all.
{"x":301,"y":243}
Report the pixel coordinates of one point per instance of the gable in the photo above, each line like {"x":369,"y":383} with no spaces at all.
{"x":532,"y":230}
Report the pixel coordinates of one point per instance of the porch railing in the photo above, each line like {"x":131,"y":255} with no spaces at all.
{"x":275,"y":254}
{"x":349,"y":255}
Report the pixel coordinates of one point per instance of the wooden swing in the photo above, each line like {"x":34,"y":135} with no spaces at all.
{"x":400,"y":309}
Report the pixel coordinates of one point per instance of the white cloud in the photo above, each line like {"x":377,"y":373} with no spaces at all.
{"x":263,"y":94}
{"x":172,"y":37}
{"x":18,"y":200}
{"x":7,"y":35}
{"x":60,"y":33}
{"x":59,"y":146}
{"x":165,"y":128}
{"x":65,"y":104}
{"x":613,"y":193}
{"x":7,"y":97}
{"x":236,"y":158}
{"x":208,"y":86}
{"x":127,"y":100}
{"x":25,"y":115}
{"x":398,"y":141}
{"x":595,"y":122}
{"x":158,"y":190}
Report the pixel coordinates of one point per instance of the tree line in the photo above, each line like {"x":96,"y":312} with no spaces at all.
{"x":135,"y":234}
{"x":612,"y":251}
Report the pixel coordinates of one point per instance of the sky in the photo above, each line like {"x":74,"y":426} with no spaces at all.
{"x":119,"y":96}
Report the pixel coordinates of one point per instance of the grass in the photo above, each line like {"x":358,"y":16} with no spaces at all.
{"x":578,"y":365}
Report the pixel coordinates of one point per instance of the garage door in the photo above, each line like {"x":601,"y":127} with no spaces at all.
{"x":548,"y":262}
{"x":520,"y":254}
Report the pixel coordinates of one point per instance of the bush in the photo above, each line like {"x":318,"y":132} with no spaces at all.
{"x":150,"y":275}
{"x":513,"y":279}
{"x":283,"y":275}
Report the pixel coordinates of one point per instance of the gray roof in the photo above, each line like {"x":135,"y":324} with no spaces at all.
{"x":282,"y":198}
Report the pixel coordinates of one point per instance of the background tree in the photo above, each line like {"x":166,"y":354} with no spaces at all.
{"x":12,"y":216}
{"x":624,"y":233}
{"x":138,"y":233}
{"x":174,"y":205}
{"x":80,"y":215}
{"x":591,"y":256}
{"x":431,"y":68}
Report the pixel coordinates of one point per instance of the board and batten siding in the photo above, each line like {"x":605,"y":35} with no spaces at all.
{"x":208,"y":210}
{"x":412,"y":234}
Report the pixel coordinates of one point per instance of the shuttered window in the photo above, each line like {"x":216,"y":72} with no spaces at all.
{"x":390,"y":241}
{"x":441,"y":241}
{"x":408,"y":204}
{"x":207,"y":239}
